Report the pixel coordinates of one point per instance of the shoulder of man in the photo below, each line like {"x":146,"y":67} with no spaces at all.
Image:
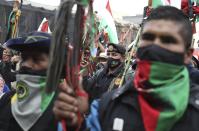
{"x":111,"y":96}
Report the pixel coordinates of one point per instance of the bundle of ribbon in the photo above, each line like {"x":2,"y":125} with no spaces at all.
{"x":74,"y":16}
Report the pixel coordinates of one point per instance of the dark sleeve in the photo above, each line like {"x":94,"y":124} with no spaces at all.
{"x":6,"y":98}
{"x":1,"y":67}
{"x":12,"y":76}
{"x":89,"y":82}
{"x":13,"y":66}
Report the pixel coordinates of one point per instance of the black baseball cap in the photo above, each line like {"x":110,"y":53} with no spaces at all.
{"x":116,"y":48}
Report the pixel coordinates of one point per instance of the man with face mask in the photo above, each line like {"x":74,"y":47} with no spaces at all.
{"x":161,"y":97}
{"x":30,"y":107}
{"x":109,"y":77}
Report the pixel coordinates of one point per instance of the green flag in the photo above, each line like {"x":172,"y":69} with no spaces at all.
{"x":175,"y":3}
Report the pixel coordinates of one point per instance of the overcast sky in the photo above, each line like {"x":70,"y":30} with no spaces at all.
{"x":128,"y":7}
{"x":121,"y":7}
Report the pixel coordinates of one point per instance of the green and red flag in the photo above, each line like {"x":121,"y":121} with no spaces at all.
{"x":163,"y":92}
{"x":103,"y":9}
{"x":176,"y":3}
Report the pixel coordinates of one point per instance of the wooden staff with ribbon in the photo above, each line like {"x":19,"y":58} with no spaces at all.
{"x":65,"y":52}
{"x":135,"y":45}
{"x":133,"y":49}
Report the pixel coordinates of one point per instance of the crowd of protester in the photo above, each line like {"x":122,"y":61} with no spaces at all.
{"x":159,"y":92}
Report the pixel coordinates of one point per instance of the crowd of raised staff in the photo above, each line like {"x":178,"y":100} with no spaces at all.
{"x":160,"y":89}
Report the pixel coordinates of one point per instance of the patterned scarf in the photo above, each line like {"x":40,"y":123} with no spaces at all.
{"x":163,"y":93}
{"x":30,"y":101}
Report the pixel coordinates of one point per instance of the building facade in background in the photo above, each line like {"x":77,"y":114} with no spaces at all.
{"x":30,"y":18}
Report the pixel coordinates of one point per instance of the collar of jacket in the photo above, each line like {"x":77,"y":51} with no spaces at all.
{"x":129,"y":88}
{"x":127,"y":94}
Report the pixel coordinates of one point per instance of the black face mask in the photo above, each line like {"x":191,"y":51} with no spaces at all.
{"x":30,"y":71}
{"x":156,"y":53}
{"x":113,"y":63}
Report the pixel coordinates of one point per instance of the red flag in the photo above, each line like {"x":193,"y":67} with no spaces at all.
{"x":44,"y":26}
{"x":108,"y":7}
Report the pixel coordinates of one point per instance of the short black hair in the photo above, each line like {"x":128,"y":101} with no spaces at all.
{"x":176,"y":15}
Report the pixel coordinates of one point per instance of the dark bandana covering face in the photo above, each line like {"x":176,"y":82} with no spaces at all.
{"x":156,"y":53}
{"x":30,"y":71}
{"x":113,"y":63}
{"x":162,"y":82}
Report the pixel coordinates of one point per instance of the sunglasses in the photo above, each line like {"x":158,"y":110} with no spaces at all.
{"x":166,"y":39}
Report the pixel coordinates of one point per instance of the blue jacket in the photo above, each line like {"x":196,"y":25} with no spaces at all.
{"x":6,"y":89}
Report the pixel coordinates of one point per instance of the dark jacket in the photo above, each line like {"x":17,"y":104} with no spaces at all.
{"x":123,"y":103}
{"x":7,"y":74}
{"x":101,"y":82}
{"x":46,"y":122}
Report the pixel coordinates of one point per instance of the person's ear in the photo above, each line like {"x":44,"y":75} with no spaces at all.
{"x":188,"y":56}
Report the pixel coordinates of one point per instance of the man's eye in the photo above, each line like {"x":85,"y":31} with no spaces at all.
{"x":168,"y":39}
{"x":148,"y":36}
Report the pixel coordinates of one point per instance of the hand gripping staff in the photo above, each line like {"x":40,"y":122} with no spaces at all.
{"x":65,"y":52}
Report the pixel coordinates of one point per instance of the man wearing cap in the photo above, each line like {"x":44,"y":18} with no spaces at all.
{"x":110,"y":76}
{"x":30,"y":107}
